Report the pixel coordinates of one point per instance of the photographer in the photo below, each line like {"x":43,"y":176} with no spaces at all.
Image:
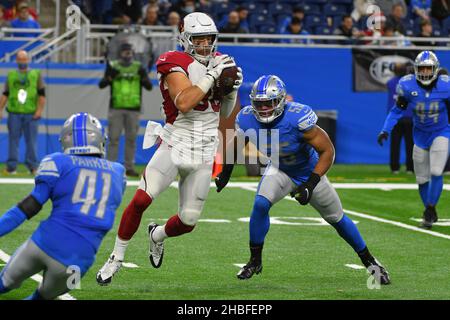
{"x":126,"y":77}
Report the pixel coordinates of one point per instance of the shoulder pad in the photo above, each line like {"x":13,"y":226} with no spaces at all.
{"x":52,"y":164}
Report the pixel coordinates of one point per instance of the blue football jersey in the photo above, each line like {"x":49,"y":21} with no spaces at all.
{"x":282,"y":140}
{"x":86,"y":192}
{"x":429,"y":108}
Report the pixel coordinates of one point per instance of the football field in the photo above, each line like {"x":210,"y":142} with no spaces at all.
{"x":303,"y":257}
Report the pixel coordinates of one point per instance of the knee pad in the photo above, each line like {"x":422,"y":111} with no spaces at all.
{"x":189,"y":217}
{"x":334,"y":217}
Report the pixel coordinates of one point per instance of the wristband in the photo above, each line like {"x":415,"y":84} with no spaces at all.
{"x":206,"y":83}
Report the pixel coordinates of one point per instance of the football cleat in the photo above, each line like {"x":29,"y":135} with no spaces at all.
{"x":110,"y":268}
{"x":248,"y":270}
{"x":429,"y":217}
{"x":156,"y":252}
{"x":378,"y":271}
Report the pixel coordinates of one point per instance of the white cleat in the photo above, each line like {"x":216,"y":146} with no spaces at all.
{"x":156,"y":252}
{"x":109,"y":269}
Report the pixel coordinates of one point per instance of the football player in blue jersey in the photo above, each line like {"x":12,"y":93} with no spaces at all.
{"x":300,"y":154}
{"x":85,"y":191}
{"x":427,"y":94}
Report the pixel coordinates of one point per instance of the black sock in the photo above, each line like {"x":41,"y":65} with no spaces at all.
{"x":256,"y":252}
{"x":366,"y":257}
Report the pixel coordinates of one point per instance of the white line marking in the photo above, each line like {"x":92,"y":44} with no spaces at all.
{"x":37,"y":277}
{"x":387,"y":221}
{"x":129,"y":265}
{"x":354,"y":266}
{"x":441,"y":222}
{"x":201,"y":220}
{"x":239,"y":265}
{"x":244,"y":185}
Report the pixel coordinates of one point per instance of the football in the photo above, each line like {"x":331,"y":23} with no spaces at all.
{"x":224,"y":84}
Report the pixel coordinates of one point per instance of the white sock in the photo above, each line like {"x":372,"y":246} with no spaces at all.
{"x":159,"y":234}
{"x":119,"y":248}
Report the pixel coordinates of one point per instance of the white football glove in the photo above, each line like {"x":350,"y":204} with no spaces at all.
{"x":239,"y":81}
{"x":217,"y":64}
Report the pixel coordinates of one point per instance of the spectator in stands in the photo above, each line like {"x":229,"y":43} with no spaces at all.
{"x":297,"y":12}
{"x":126,"y":77}
{"x":389,"y":31}
{"x":24,"y":21}
{"x":426,"y":31}
{"x":204,"y":6}
{"x":126,"y":11}
{"x":25,"y":95}
{"x":376,"y":30}
{"x":421,"y":8}
{"x":347,"y":29}
{"x":233,"y":26}
{"x":387,"y":6}
{"x":404,"y":127}
{"x":173,"y":19}
{"x":296,"y":28}
{"x":243,"y":17}
{"x":12,"y":10}
{"x":395,"y":19}
{"x":151,"y":16}
{"x":3,"y":22}
{"x":184,"y":7}
{"x":440,"y":9}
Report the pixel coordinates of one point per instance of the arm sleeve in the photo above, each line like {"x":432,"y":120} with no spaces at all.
{"x":145,"y":81}
{"x":394,"y":115}
{"x":104,"y":82}
{"x":6,"y":89}
{"x":12,"y":219}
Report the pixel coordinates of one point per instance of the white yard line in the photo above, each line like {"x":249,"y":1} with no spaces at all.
{"x":382,"y":220}
{"x":354,"y":266}
{"x":245,"y":185}
{"x":37,"y":277}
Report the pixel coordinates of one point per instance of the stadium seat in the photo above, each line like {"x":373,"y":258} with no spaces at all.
{"x":316,"y":1}
{"x":312,"y":9}
{"x":323,"y":30}
{"x":347,"y":2}
{"x":334,"y":10}
{"x":312,"y":21}
{"x":257,"y":20}
{"x":220,"y":8}
{"x":254,"y":7}
{"x":446,"y":26}
{"x":268,"y":28}
{"x":279,"y":8}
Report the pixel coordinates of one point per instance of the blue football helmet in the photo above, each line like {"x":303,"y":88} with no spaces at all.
{"x":426,"y":59}
{"x":83,"y":134}
{"x":268,"y":98}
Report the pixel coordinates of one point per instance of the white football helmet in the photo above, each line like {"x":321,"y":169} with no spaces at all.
{"x":426,"y":59}
{"x":198,"y":24}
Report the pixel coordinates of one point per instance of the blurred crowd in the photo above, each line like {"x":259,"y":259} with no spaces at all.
{"x":352,"y":19}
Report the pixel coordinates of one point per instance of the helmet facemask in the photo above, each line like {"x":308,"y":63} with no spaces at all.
{"x":426,"y":67}
{"x":268,"y":97}
{"x":201,"y":52}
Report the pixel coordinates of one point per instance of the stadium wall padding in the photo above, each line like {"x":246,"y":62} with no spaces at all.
{"x":319,"y":77}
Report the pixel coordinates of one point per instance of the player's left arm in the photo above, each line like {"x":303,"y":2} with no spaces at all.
{"x":26,"y":209}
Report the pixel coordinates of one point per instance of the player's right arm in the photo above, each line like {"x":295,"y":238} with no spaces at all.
{"x":395,"y":114}
{"x":183,"y":93}
{"x":28,"y":207}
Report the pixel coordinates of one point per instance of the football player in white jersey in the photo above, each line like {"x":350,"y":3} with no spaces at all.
{"x":188,"y":140}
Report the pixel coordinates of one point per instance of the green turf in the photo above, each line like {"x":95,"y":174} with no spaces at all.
{"x":300,"y":262}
